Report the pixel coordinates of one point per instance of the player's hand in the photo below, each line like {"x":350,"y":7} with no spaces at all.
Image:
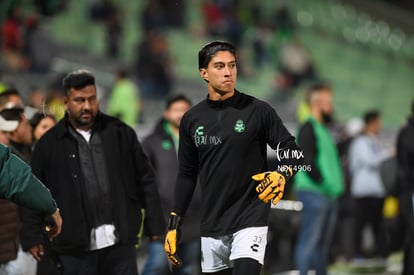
{"x":271,"y":185}
{"x":172,"y":238}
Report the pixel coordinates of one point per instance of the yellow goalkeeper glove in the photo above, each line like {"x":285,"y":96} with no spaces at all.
{"x":272,"y":184}
{"x":172,"y":238}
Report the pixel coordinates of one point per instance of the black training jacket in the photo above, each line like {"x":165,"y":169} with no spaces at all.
{"x":224,"y":143}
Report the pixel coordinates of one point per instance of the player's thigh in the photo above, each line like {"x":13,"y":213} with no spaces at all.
{"x":215,"y":254}
{"x":249,"y":243}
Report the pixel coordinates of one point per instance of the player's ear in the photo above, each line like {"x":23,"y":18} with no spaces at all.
{"x":204,"y":74}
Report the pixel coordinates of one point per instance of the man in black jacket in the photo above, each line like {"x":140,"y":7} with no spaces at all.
{"x":99,"y":175}
{"x":161,"y":147}
{"x":405,"y":160}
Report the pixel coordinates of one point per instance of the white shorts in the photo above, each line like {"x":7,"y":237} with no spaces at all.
{"x":217,"y":253}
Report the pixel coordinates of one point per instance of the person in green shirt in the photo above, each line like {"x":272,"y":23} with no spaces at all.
{"x":123,"y":101}
{"x":319,"y":186}
{"x":20,"y":186}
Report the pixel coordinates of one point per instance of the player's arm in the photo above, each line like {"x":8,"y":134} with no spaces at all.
{"x":271,"y":184}
{"x":282,"y":141}
{"x":187,"y":170}
{"x":184,"y":189}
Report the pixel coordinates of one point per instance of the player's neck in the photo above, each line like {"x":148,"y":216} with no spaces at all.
{"x":219,"y":96}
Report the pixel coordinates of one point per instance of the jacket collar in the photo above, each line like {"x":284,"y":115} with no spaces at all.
{"x":62,"y":127}
{"x":229,"y":102}
{"x":160,"y":128}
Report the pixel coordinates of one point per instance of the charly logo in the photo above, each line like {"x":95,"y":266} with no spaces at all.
{"x":199,"y":137}
{"x":199,"y":131}
{"x":239,"y":126}
{"x":255,"y":247}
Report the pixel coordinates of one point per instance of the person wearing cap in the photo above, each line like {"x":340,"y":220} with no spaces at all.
{"x":20,"y":186}
{"x":20,"y":136}
{"x":6,"y":126}
{"x":11,"y":98}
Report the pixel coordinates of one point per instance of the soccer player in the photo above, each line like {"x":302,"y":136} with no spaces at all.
{"x":223,"y":142}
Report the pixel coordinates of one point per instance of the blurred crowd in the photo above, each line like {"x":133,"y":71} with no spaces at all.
{"x":368,"y":215}
{"x":27,"y":45}
{"x":355,"y":191}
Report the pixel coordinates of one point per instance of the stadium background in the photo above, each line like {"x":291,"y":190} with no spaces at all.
{"x":365,"y":49}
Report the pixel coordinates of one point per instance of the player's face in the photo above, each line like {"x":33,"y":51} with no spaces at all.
{"x":221,"y":73}
{"x":82,"y":107}
{"x":176,"y":111}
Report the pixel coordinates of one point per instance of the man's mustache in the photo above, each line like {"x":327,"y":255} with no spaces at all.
{"x":86,"y":112}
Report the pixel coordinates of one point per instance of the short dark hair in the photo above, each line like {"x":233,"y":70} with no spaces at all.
{"x":174,"y":98}
{"x":371,"y":116}
{"x":37,"y":117}
{"x":315,"y":88}
{"x":122,"y":73}
{"x":209,"y":50}
{"x":77,"y":80}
